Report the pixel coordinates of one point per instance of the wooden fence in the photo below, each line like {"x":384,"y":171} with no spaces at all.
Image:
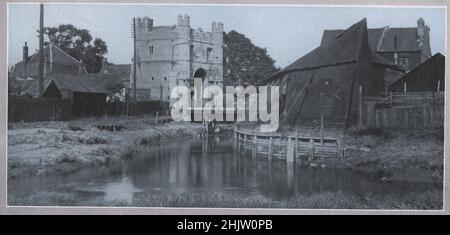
{"x":38,"y":110}
{"x":27,"y":109}
{"x":289,"y":148}
{"x":407,"y":111}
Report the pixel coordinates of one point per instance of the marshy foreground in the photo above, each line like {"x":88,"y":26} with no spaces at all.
{"x":168,"y":165}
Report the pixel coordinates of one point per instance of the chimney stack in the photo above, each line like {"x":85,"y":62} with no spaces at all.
{"x":80,"y":67}
{"x":421,"y":29}
{"x":395,"y":50}
{"x":25,"y":53}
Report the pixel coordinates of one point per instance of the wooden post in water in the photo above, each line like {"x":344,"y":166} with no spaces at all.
{"x":359,"y":108}
{"x":290,"y":151}
{"x":390,"y":97}
{"x":269,"y":154}
{"x":236,"y":140}
{"x":311,"y":149}
{"x":255,"y":146}
{"x":297,"y":149}
{"x":290,"y":164}
{"x":321,"y":137}
{"x":339,"y":147}
{"x":156,"y":119}
{"x":245,"y":141}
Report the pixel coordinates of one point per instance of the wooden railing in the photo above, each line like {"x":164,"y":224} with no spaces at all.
{"x":289,"y":148}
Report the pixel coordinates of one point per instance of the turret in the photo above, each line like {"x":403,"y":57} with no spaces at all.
{"x":217,"y":30}
{"x":184,"y":21}
{"x":144,"y":24}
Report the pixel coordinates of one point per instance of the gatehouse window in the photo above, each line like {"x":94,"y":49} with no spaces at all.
{"x":208,"y":53}
{"x":150,"y":50}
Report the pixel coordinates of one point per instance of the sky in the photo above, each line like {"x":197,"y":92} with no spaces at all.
{"x":288,"y":32}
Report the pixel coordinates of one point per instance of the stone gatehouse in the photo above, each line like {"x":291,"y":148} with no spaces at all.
{"x":173,"y":55}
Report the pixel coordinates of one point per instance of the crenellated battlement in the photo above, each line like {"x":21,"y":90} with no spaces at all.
{"x":144,"y":24}
{"x":184,"y":20}
{"x":217,"y":27}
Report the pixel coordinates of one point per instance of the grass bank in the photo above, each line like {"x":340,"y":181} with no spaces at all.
{"x":62,"y":147}
{"x":428,"y":200}
{"x":416,"y":155}
{"x":403,"y":155}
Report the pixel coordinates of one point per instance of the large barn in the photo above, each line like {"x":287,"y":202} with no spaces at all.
{"x":327,"y":80}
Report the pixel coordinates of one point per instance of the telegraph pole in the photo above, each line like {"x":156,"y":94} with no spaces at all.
{"x":41,"y":51}
{"x":134,"y":66}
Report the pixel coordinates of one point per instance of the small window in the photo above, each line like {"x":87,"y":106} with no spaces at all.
{"x":150,"y":50}
{"x":208,"y":53}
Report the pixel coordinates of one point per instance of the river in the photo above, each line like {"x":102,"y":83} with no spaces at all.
{"x":194,"y":164}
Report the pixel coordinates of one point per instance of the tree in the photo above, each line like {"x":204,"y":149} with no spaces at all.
{"x":78,"y":43}
{"x":245,"y":63}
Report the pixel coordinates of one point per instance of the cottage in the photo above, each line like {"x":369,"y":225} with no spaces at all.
{"x":55,"y":61}
{"x":427,"y":77}
{"x":327,"y":80}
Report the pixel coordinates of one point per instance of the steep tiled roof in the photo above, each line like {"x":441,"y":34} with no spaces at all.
{"x":74,"y":83}
{"x":121,"y":70}
{"x":57,"y":56}
{"x":344,"y":48}
{"x":382,"y":39}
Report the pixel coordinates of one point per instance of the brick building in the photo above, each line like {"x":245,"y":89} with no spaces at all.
{"x":407,"y":47}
